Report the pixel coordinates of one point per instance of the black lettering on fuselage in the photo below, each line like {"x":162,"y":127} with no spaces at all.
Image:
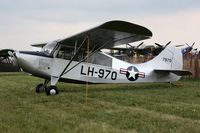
{"x":83,"y":73}
{"x":101,"y":73}
{"x":90,"y":70}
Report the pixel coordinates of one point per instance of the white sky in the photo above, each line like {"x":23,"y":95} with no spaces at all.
{"x":26,"y":22}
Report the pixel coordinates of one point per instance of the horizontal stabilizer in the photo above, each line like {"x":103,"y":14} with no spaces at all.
{"x":177,"y":72}
{"x":39,"y":45}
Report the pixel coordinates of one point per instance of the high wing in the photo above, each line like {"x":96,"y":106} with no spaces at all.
{"x":109,"y":34}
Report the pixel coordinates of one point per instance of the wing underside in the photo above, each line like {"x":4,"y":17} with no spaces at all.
{"x":110,"y":34}
{"x":107,"y":35}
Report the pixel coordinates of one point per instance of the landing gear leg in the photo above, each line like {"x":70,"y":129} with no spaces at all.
{"x":52,"y":89}
{"x":46,"y":82}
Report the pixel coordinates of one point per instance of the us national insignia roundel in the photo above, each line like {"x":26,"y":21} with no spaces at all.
{"x":132,"y":73}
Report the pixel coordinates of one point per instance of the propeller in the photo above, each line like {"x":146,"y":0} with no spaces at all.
{"x":144,"y":51}
{"x":158,"y":49}
{"x":161,"y":46}
{"x":188,"y":49}
{"x":134,"y":50}
{"x":191,"y":45}
{"x":195,"y":50}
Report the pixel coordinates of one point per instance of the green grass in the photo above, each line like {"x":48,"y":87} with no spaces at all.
{"x":112,"y":108}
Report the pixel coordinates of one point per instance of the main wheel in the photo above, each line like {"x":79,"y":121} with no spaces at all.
{"x":52,"y":90}
{"x":39,"y":88}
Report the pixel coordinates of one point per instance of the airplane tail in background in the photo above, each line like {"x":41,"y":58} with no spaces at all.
{"x":169,"y":60}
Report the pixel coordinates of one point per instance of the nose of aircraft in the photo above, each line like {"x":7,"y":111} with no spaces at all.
{"x":19,"y":59}
{"x":24,"y":60}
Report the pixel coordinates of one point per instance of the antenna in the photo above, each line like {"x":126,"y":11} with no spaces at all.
{"x":86,"y":86}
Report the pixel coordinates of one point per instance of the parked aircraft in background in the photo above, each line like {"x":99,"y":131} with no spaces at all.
{"x":6,"y":63}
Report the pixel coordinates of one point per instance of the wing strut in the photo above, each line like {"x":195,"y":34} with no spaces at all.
{"x":87,"y":57}
{"x":75,"y":55}
{"x":78,"y":50}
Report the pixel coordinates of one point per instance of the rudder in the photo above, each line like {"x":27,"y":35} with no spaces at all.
{"x":170,"y":58}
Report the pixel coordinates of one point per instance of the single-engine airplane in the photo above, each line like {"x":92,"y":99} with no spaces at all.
{"x":79,"y":59}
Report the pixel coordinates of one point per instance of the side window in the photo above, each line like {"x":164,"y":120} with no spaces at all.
{"x":101,"y":59}
{"x":67,"y":53}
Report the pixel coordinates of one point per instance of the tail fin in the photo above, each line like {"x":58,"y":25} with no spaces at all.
{"x":170,"y":58}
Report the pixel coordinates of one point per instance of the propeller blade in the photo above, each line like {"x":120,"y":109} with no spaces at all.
{"x":187,"y":44}
{"x":158,"y":45}
{"x":140,"y":45}
{"x":195,"y":49}
{"x":130,"y":45}
{"x":180,"y":45}
{"x":167,"y":44}
{"x":10,"y":53}
{"x":193,"y":44}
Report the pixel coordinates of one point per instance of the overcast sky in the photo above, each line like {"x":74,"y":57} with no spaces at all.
{"x":26,"y":22}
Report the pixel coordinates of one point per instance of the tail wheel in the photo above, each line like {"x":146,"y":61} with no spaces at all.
{"x":39,"y":88}
{"x":52,"y":90}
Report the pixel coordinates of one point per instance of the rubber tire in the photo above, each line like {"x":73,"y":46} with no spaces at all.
{"x":39,"y":88}
{"x":50,"y":89}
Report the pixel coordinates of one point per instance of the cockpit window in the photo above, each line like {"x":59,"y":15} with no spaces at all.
{"x":49,"y":47}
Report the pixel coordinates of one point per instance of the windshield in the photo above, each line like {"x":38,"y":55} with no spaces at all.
{"x":49,"y":47}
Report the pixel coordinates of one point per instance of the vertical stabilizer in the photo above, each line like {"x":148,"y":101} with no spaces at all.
{"x":170,"y":58}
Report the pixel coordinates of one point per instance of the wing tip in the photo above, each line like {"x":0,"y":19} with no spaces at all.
{"x":128,"y":27}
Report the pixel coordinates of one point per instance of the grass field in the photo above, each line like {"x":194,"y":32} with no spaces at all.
{"x":111,"y":108}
